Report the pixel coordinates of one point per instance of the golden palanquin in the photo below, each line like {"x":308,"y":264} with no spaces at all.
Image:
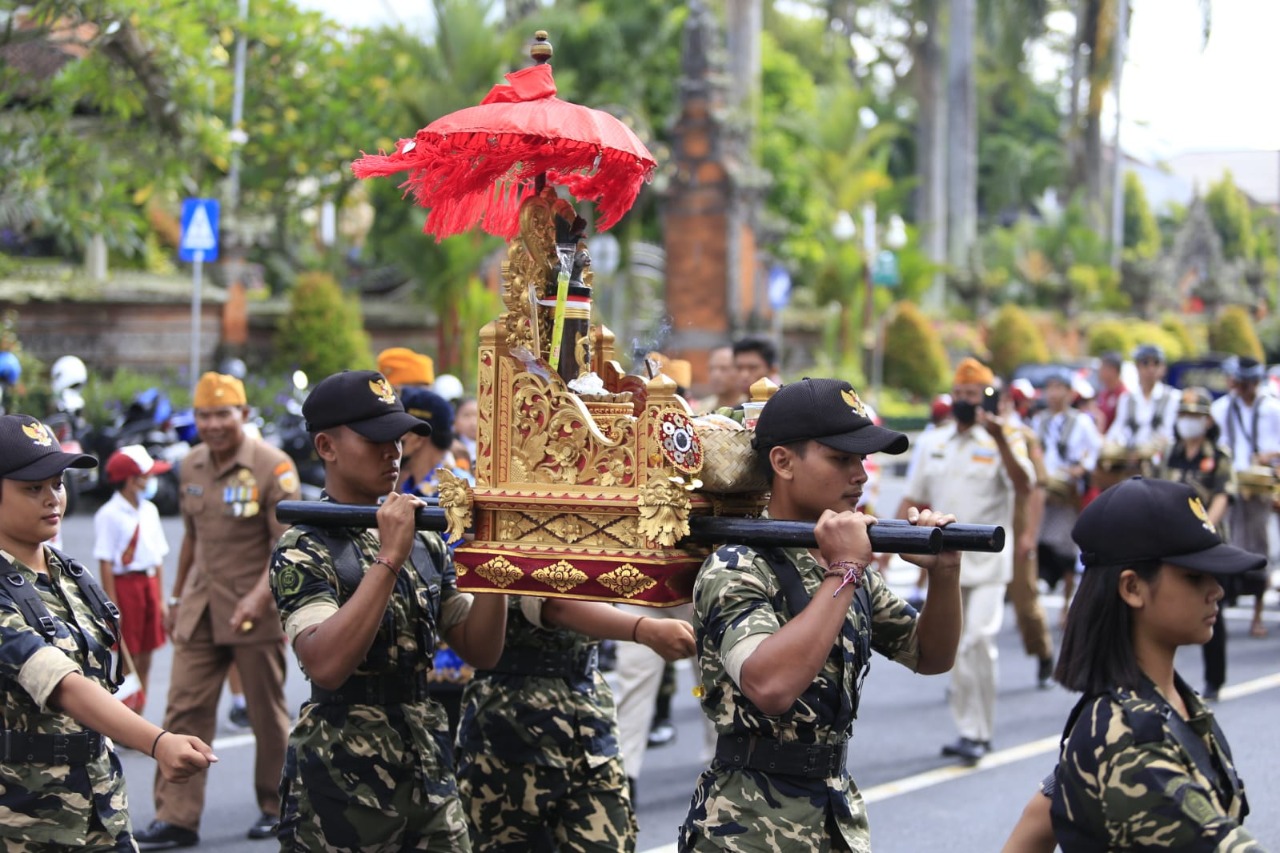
{"x":577,"y":495}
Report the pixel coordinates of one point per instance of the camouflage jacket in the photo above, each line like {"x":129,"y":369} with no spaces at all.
{"x":1133,"y":775}
{"x":38,"y":802}
{"x":369,"y":748}
{"x":530,"y":719}
{"x":735,"y":597}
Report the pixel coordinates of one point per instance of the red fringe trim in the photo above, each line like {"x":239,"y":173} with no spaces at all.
{"x":469,"y":179}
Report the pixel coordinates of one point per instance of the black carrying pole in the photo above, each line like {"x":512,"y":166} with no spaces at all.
{"x":889,"y":536}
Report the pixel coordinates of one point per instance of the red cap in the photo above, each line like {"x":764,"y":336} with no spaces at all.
{"x":133,"y":461}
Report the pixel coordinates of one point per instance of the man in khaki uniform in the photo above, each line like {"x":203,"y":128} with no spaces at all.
{"x":222,"y":609}
{"x":978,"y":463}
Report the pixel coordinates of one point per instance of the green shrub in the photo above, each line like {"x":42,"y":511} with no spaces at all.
{"x":1013,"y":339}
{"x":1150,"y":333}
{"x":323,"y":330}
{"x":1232,"y":332}
{"x":106,"y":398}
{"x":914,"y":359}
{"x":1110,"y":336}
{"x":1177,"y":329}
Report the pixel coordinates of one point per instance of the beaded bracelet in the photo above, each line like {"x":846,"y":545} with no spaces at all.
{"x":391,"y":567}
{"x":850,"y":572}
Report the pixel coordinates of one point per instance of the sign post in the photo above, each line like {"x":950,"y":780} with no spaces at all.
{"x":199,"y":243}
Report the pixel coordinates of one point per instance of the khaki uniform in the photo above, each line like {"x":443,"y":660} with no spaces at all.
{"x":231,"y":513}
{"x":965,"y":469}
{"x":75,"y":806}
{"x":1024,"y":590}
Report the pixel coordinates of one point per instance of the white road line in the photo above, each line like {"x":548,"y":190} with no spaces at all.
{"x":1021,"y":752}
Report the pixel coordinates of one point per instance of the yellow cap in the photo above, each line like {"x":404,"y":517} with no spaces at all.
{"x":973,"y":372}
{"x":680,"y":371}
{"x":216,"y":390}
{"x":403,"y":366}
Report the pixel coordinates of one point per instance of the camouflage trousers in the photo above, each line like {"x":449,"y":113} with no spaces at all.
{"x":747,"y":811}
{"x":97,"y":841}
{"x":528,"y":808}
{"x":386,"y":808}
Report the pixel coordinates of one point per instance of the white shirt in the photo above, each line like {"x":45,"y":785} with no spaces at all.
{"x":963,"y":473}
{"x":1237,"y":423}
{"x":113,"y":527}
{"x":1082,"y":439}
{"x":1135,"y":413}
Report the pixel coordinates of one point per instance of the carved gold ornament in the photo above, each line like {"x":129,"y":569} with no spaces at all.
{"x":627,"y":581}
{"x":500,"y":572}
{"x":555,"y":441}
{"x":664,"y":512}
{"x":561,"y":576}
{"x":455,"y":499}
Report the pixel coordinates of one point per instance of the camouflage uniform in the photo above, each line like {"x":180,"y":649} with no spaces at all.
{"x":45,"y":806}
{"x":370,"y":776}
{"x":538,"y":762}
{"x":737,"y":596}
{"x":1134,"y":775}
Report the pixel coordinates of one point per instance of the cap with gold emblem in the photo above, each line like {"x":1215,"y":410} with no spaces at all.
{"x":362,"y":400}
{"x":827,"y":411}
{"x":1140,"y":520}
{"x":30,"y":452}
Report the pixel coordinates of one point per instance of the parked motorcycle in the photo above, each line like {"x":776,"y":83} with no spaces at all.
{"x":149,"y":421}
{"x":67,"y":379}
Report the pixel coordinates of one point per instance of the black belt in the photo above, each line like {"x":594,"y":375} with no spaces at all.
{"x":24,"y":748}
{"x":810,"y":760}
{"x":374,"y":690}
{"x":547,"y":663}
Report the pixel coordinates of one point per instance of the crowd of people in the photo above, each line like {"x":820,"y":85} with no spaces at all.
{"x":443,"y":720}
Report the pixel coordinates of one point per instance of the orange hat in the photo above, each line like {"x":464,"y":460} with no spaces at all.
{"x":403,"y":366}
{"x":215,"y":390}
{"x":973,"y":372}
{"x":679,"y":370}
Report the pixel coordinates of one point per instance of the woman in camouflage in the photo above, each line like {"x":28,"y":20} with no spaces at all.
{"x":1143,"y":765}
{"x":61,"y":784}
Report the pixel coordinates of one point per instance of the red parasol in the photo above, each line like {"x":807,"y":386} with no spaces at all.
{"x":476,"y":165}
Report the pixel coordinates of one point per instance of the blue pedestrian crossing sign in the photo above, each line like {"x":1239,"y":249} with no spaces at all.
{"x":199,"y":230}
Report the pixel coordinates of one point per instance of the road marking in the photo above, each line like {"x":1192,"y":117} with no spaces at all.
{"x":231,"y":741}
{"x":1031,"y":749}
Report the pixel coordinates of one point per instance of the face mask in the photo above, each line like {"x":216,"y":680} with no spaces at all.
{"x":1191,"y":427}
{"x":153,"y":486}
{"x":965,"y":412}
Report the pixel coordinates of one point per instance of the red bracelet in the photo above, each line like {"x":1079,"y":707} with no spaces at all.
{"x":850,"y":571}
{"x":391,"y":567}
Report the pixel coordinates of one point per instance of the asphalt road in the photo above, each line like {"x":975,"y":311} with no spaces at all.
{"x":918,"y":801}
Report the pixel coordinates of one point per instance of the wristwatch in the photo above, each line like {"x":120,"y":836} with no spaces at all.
{"x":174,"y":601}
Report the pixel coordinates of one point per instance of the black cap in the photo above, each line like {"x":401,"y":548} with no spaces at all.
{"x":1139,"y":520}
{"x":1148,"y":351}
{"x":29,"y":451}
{"x":429,"y":406}
{"x":1244,"y":369}
{"x":362,"y":400}
{"x":827,"y":411}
